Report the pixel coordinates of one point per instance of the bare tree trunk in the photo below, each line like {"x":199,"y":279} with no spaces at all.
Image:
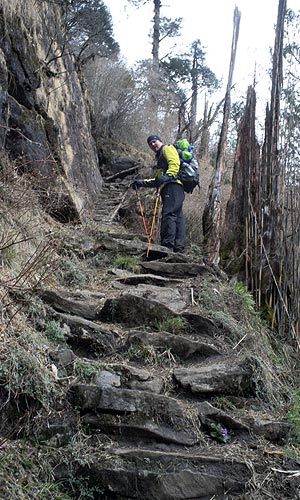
{"x":203,"y":127}
{"x":156,"y":35}
{"x":194,"y":99}
{"x":212,"y":212}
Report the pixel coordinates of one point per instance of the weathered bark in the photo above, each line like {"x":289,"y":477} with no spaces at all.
{"x":194,"y":98}
{"x":244,"y":193}
{"x":203,"y":128}
{"x":212,"y":211}
{"x":155,"y":38}
{"x":260,"y":243}
{"x":271,"y":187}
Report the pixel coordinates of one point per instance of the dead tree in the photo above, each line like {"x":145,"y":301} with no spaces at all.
{"x":261,"y":237}
{"x":211,"y":220}
{"x":236,"y":251}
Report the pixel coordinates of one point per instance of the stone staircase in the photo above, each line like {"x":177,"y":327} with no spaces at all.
{"x":149,"y":398}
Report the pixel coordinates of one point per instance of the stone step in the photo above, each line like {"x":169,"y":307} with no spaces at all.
{"x":150,"y":475}
{"x":137,"y":413}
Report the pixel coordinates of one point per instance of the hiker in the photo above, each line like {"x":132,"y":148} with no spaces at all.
{"x":172,"y":230}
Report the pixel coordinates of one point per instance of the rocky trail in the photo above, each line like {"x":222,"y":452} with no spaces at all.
{"x":169,"y":414}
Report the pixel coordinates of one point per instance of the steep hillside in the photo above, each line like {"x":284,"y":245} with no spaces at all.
{"x":126,"y":377}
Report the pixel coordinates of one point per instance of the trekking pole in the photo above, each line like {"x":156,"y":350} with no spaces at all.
{"x":142,"y":212}
{"x":153,"y":222}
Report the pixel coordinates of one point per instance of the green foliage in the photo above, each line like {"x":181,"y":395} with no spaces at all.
{"x":53,"y":332}
{"x":7,"y":255}
{"x":219,"y":433}
{"x":248,"y":300}
{"x":85,"y":490}
{"x":36,"y":311}
{"x":293,"y":415}
{"x":85,"y":370}
{"x":25,"y":474}
{"x":71,"y":273}
{"x":191,"y":67}
{"x":141,"y":352}
{"x":22,"y":373}
{"x":89,"y":28}
{"x":172,"y":324}
{"x":128,"y":262}
{"x":25,"y":370}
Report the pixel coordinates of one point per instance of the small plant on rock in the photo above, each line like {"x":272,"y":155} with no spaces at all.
{"x":219,"y":433}
{"x":85,"y":370}
{"x":172,"y":324}
{"x":128,"y":262}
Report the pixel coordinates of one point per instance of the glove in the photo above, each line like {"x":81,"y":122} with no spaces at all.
{"x":164,"y":179}
{"x":137,"y":183}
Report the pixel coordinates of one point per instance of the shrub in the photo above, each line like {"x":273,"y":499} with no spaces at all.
{"x":23,"y":373}
{"x":247,"y":298}
{"x":172,"y":324}
{"x":53,"y":332}
{"x":128,"y":262}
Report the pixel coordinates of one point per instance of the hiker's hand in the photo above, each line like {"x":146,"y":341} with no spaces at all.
{"x":164,"y":179}
{"x":137,"y":183}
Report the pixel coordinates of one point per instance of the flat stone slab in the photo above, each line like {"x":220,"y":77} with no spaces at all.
{"x":83,"y":303}
{"x":271,"y":430}
{"x":173,"y":298}
{"x":130,"y":246}
{"x":224,"y":377}
{"x":176,"y":269}
{"x":92,"y":397}
{"x":150,"y":475}
{"x":151,"y":414}
{"x":133,"y":310}
{"x":138,"y":428}
{"x":88,"y":334}
{"x":139,"y":378}
{"x":209,"y":414}
{"x":179,"y":345}
{"x":152,"y":279}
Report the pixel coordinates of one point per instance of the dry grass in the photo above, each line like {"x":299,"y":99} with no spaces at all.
{"x":194,"y":203}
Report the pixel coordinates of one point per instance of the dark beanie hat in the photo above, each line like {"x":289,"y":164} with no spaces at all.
{"x":153,"y":137}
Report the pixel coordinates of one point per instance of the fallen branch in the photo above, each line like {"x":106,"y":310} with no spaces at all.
{"x":123,"y":173}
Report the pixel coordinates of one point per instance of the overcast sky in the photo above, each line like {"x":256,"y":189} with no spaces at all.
{"x":212,"y":22}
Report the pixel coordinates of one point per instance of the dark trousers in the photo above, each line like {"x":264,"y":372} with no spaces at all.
{"x":172,"y":231}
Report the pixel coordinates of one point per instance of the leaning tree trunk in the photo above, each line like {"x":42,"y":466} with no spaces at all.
{"x":212,"y":212}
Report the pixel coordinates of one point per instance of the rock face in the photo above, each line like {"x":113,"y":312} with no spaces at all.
{"x":44,"y":122}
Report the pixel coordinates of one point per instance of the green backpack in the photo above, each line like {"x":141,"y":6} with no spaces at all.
{"x":189,"y":170}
